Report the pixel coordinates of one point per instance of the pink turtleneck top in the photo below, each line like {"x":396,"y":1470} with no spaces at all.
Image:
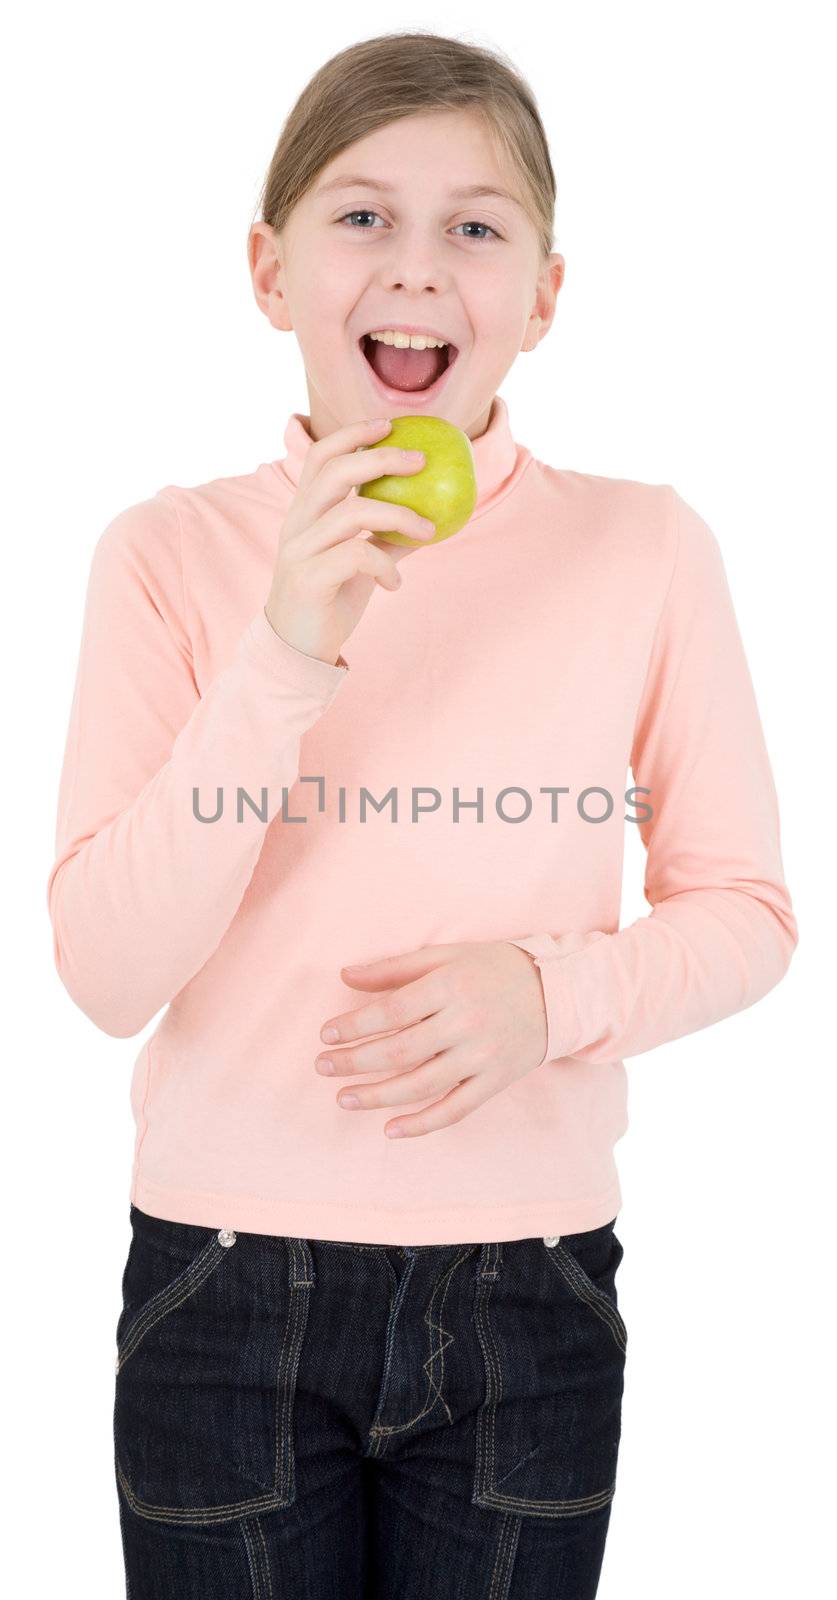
{"x":238,"y":820}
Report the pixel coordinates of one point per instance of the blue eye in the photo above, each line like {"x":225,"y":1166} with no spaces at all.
{"x":479,"y":225}
{"x":364,"y":213}
{"x":359,"y":214}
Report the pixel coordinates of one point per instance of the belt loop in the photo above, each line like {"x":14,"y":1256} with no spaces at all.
{"x":301,"y":1272}
{"x":491,"y":1256}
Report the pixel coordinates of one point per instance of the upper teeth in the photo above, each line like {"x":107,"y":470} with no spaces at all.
{"x":415,"y":341}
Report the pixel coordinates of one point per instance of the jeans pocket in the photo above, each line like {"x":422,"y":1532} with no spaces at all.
{"x":588,"y":1264}
{"x":548,"y":1430}
{"x":209,"y":1341}
{"x":181,"y":1281}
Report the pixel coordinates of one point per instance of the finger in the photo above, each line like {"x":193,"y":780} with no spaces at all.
{"x":452,"y":1108}
{"x":399,"y":1009}
{"x":341,"y":442}
{"x":397,"y":552}
{"x":340,"y":474}
{"x":398,"y":1052}
{"x":392,"y":969}
{"x":434,"y":1077}
{"x":335,"y":567}
{"x":351,"y":517}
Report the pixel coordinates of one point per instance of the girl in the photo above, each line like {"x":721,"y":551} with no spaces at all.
{"x":352,"y":811}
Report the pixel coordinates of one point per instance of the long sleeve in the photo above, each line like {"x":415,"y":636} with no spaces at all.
{"x":721,"y":931}
{"x":142,"y":889}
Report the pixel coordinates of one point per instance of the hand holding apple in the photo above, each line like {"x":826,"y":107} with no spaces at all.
{"x":324,"y":574}
{"x":444,"y":490}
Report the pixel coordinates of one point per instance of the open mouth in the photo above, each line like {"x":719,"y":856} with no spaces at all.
{"x":407,"y":374}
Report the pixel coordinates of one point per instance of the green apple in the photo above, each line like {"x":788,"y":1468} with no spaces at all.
{"x":445,"y":489}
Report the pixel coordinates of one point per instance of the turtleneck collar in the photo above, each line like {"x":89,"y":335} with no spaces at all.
{"x":497,"y":458}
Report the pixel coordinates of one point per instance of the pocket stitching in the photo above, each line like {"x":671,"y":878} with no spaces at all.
{"x":169,"y":1297}
{"x":199,"y":1514}
{"x":583,"y":1287}
{"x":484,"y":1491}
{"x":284,"y":1488}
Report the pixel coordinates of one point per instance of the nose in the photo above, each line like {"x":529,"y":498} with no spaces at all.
{"x":414,"y":263}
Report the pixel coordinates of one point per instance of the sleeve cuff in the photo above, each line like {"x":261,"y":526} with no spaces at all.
{"x":261,"y":641}
{"x":563,"y":994}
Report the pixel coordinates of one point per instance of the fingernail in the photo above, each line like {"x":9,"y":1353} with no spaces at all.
{"x":395,"y":1132}
{"x":324,"y":1065}
{"x":349,"y":1100}
{"x":329,"y":1035}
{"x":413,"y":455}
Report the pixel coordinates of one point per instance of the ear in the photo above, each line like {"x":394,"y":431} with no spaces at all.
{"x":265,"y":260}
{"x":550,"y":279}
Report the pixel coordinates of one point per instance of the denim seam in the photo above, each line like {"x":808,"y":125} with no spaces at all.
{"x":257,"y":1559}
{"x":284,"y":1483}
{"x":504,"y":1559}
{"x":484,"y":1491}
{"x":285,"y":1384}
{"x":547,"y":1508}
{"x":376,"y":1431}
{"x":260,"y":1531}
{"x":443,"y":1335}
{"x":166,"y":1299}
{"x":436,"y":1354}
{"x":585,"y":1290}
{"x":196,"y":1514}
{"x":251,"y":1561}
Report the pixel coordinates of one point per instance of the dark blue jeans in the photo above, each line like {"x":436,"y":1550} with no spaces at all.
{"x":335,"y":1421}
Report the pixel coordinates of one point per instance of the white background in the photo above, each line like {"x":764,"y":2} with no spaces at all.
{"x":693,"y":344}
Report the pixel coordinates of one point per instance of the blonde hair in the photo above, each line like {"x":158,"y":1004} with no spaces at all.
{"x":394,"y":75}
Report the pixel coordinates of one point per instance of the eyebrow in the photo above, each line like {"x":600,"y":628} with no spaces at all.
{"x":471,"y":191}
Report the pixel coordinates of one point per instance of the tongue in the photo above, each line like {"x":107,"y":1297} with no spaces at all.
{"x":405,"y":368}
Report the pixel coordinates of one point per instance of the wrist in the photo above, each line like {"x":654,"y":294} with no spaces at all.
{"x":328,"y":661}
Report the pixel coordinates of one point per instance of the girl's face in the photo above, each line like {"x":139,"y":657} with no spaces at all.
{"x":384,"y":238}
